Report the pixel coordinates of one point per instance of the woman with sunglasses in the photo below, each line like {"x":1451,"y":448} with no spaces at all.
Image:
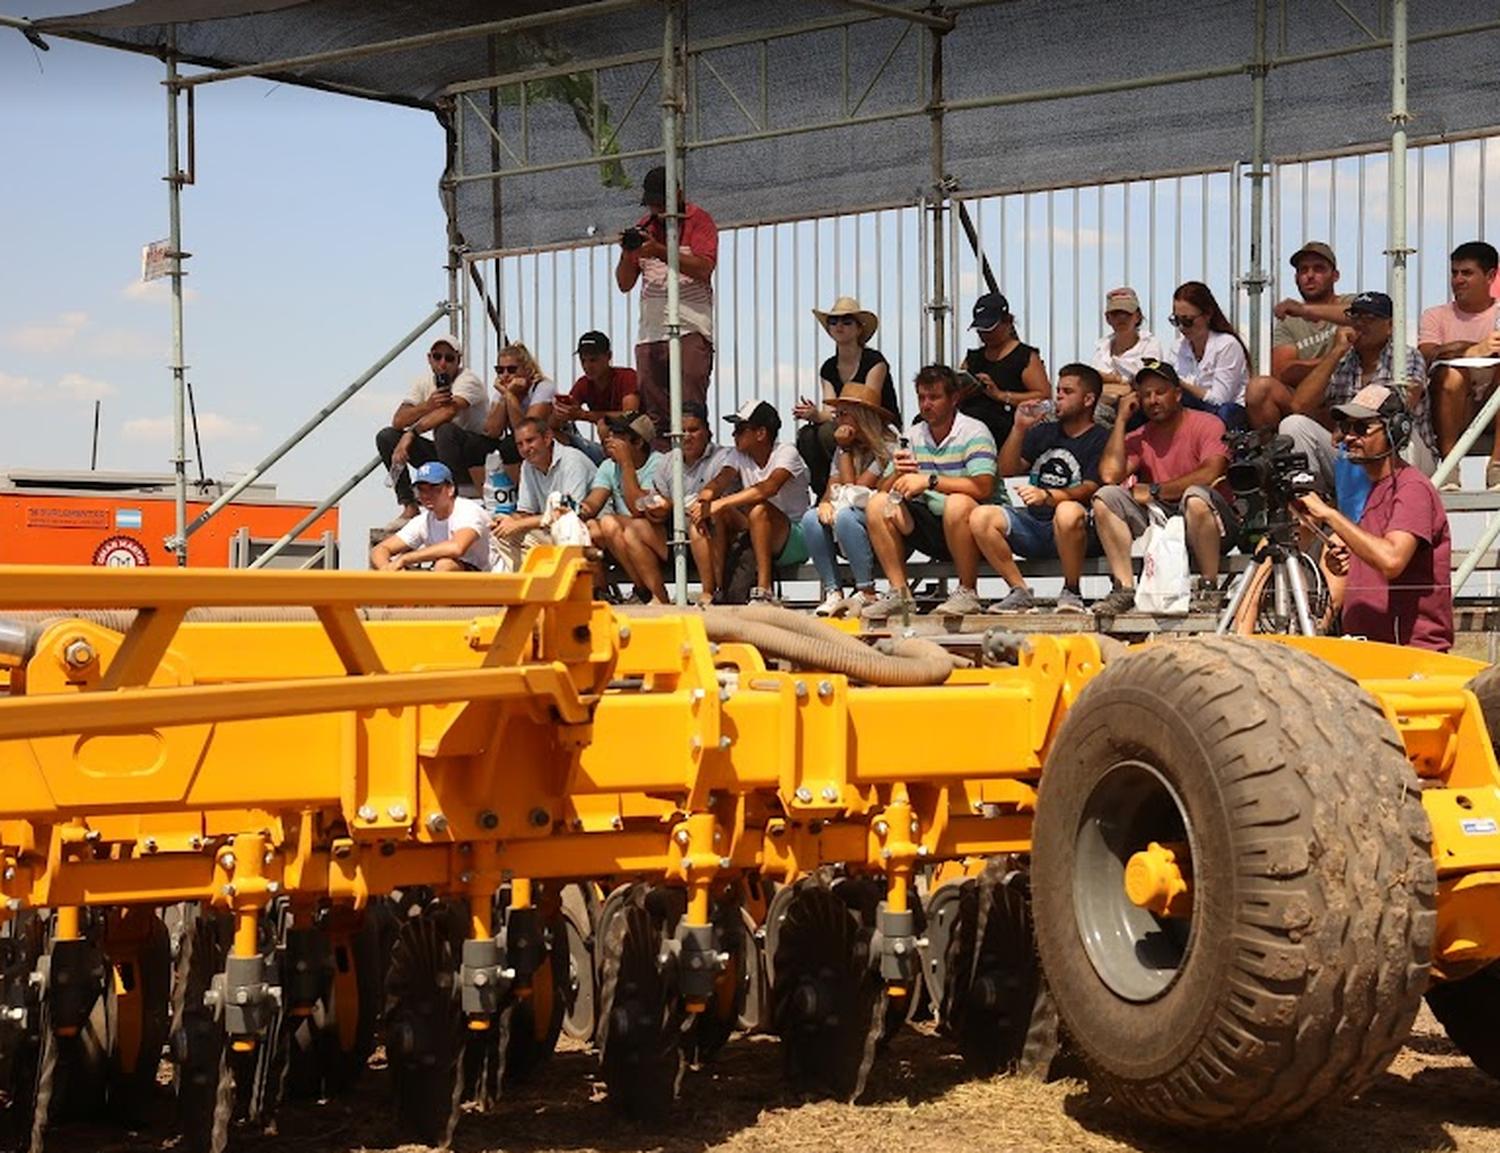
{"x":1211,"y":360}
{"x":853,"y":362}
{"x":522,"y":390}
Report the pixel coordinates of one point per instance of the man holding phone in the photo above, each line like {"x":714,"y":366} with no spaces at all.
{"x":441,"y":418}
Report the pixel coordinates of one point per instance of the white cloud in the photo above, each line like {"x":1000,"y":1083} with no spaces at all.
{"x":126,"y":344}
{"x":371,"y":403}
{"x":211,"y":427}
{"x":47,"y":337}
{"x":71,"y":386}
{"x":76,"y":386}
{"x":154,"y":291}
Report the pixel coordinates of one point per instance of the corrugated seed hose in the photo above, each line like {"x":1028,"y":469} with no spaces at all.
{"x":807,"y":642}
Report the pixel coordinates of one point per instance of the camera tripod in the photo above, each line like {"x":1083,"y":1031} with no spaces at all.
{"x":1282,"y":592}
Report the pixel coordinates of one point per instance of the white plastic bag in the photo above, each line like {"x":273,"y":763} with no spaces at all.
{"x":1165,"y":585}
{"x":854,"y":496}
{"x":563,"y":522}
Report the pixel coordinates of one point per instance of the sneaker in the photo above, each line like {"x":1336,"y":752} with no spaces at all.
{"x":854,"y":605}
{"x":759,"y":596}
{"x":1453,"y":484}
{"x":892,"y":602}
{"x":1492,"y":476}
{"x":1069,"y":601}
{"x":1206,"y":597}
{"x":1018,"y":600}
{"x":1120,"y":600}
{"x":833,"y":601}
{"x":962,"y":603}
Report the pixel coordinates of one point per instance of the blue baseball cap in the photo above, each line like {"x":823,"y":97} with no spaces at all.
{"x":433,"y":472}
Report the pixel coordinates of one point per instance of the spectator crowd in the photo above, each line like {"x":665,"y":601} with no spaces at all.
{"x":1000,"y":465}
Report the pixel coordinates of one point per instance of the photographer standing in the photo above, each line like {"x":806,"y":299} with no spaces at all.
{"x":442,"y":418}
{"x":643,"y":258}
{"x":1398,"y":588}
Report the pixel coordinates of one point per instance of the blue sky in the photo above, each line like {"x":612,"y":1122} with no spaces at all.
{"x":318,"y":241}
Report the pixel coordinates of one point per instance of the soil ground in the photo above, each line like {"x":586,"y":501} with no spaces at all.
{"x":918,"y":1098}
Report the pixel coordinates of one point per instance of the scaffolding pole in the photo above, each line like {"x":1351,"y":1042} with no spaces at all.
{"x":1255,"y":278}
{"x":671,"y":114}
{"x":177,"y":542}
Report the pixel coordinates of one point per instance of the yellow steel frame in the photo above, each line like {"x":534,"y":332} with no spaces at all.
{"x":547,"y":738}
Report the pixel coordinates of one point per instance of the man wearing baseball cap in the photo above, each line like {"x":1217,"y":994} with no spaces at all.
{"x":602,"y":391}
{"x":1397,"y":588}
{"x":1361,"y":354}
{"x":643,"y":260}
{"x":441,"y":418}
{"x":450,"y":534}
{"x":1172,"y":465}
{"x":773,"y":494}
{"x":1305,"y":329}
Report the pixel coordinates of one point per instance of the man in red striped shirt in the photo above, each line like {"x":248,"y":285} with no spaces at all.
{"x":643,"y":260}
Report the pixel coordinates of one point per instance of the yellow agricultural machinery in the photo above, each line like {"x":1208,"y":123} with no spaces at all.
{"x":265,"y":823}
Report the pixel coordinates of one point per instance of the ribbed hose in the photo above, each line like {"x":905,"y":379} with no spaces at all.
{"x":791,"y":636}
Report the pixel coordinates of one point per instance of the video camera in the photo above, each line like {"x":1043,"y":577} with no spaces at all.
{"x":1266,"y":476}
{"x":632,"y":238}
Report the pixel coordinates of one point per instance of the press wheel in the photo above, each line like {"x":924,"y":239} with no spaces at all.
{"x":424,"y":1029}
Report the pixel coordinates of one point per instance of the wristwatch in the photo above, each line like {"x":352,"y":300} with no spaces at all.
{"x":932,"y":479}
{"x":1155,"y":490}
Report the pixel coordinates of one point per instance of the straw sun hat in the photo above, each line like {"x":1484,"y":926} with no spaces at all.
{"x":855,"y":394}
{"x":848,"y":306}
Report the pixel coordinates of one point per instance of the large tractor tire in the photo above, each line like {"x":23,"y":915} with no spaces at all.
{"x":1294,"y":974}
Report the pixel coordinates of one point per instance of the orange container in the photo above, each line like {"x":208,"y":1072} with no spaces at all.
{"x":124,"y":519}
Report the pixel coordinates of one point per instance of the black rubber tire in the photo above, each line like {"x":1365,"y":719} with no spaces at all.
{"x":1297,"y":974}
{"x":1486,"y":687}
{"x":131,"y":1094}
{"x":424,"y":1029}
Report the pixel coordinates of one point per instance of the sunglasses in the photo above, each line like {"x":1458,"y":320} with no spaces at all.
{"x":1183,"y":321}
{"x":1361,"y":428}
{"x":1362,"y":317}
{"x":833,"y":320}
{"x":444,"y":357}
{"x":507,"y":369}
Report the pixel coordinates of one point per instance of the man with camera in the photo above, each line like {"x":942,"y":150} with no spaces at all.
{"x":1360,"y":355}
{"x":643,"y":260}
{"x":442,"y":418}
{"x":1172,"y":465}
{"x":1396,"y":557}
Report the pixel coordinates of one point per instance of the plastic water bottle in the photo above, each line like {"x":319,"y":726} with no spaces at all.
{"x":394,"y":475}
{"x":499,"y":492}
{"x":893,"y":505}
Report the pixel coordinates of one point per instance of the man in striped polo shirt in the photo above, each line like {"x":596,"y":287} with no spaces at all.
{"x":643,"y":259}
{"x":947,"y":471}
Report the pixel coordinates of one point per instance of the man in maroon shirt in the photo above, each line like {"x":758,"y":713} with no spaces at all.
{"x":602,"y":391}
{"x":1398,"y":588}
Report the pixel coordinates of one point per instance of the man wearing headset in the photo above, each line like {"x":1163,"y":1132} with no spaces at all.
{"x":1398,"y":586}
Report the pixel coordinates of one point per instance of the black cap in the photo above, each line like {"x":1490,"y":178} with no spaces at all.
{"x":695,"y":408}
{"x":1153,"y":367}
{"x":654,"y":187}
{"x":757,"y":414}
{"x":1372,"y":304}
{"x":593,"y":342}
{"x":989,"y":310}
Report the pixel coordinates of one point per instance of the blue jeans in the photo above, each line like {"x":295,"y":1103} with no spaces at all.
{"x":847,"y":535}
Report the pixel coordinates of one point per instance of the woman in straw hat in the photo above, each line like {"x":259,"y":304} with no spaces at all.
{"x":853,"y":362}
{"x":864,"y":438}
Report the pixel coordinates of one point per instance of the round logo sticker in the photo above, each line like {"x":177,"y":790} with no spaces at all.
{"x":122,"y":552}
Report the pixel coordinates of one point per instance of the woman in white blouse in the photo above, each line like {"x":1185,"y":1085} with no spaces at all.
{"x":1118,"y":356}
{"x":1211,"y":359}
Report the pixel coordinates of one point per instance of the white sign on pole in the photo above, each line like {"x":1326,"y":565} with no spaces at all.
{"x":156,"y":260}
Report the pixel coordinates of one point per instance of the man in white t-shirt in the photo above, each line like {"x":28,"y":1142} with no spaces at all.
{"x":1463,"y":327}
{"x":450,"y":534}
{"x":773,"y":495}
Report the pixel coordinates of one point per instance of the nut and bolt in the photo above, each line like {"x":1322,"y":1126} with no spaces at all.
{"x":916,"y":826}
{"x":804,"y":794}
{"x":149,"y":845}
{"x":681,"y":837}
{"x":696,"y":696}
{"x":10,"y":872}
{"x":227,"y":862}
{"x":624,"y":633}
{"x":195,"y":842}
{"x":723,"y":862}
{"x":617,"y":822}
{"x":437,"y":823}
{"x":79,"y":654}
{"x":367,"y":813}
{"x":724,"y":743}
{"x":539,"y":817}
{"x":825,"y":689}
{"x":687,"y":864}
{"x":881,"y":828}
{"x":228,"y":890}
{"x":801,"y":690}
{"x":465,"y":877}
{"x":830,"y":793}
{"x":488,"y":819}
{"x":273,"y":887}
{"x":397,"y":812}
